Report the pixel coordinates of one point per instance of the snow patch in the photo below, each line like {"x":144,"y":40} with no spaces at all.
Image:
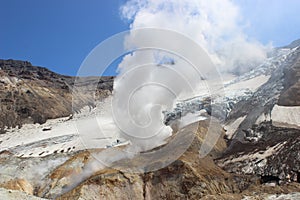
{"x":256,"y":156}
{"x":10,"y":80}
{"x":232,"y":127}
{"x":286,"y":116}
{"x":251,"y":84}
{"x":291,"y":196}
{"x":61,"y":135}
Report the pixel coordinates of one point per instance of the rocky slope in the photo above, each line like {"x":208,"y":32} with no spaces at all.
{"x":266,"y":139}
{"x":187,"y":178}
{"x":30,"y":94}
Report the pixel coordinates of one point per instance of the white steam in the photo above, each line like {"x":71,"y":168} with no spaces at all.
{"x":151,"y":81}
{"x":216,"y":25}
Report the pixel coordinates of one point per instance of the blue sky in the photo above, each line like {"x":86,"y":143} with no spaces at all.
{"x":275,"y":21}
{"x":58,"y":34}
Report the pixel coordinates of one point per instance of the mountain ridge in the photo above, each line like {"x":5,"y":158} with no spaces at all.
{"x":27,"y":90}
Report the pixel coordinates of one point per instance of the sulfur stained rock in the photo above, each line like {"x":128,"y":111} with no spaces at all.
{"x":18,"y":184}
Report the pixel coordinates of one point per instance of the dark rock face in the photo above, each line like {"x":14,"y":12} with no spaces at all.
{"x":276,"y":154}
{"x":32,"y":94}
{"x":264,"y":150}
{"x":291,"y":94}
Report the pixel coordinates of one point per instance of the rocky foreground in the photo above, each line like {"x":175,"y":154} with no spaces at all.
{"x":187,"y":178}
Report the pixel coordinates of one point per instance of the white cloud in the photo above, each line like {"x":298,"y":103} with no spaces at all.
{"x":216,"y":25}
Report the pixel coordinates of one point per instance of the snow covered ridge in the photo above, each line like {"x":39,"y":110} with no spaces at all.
{"x":234,"y":92}
{"x":236,"y":88}
{"x":278,"y":57}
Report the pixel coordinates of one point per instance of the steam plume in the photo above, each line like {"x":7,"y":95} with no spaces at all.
{"x":216,"y":25}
